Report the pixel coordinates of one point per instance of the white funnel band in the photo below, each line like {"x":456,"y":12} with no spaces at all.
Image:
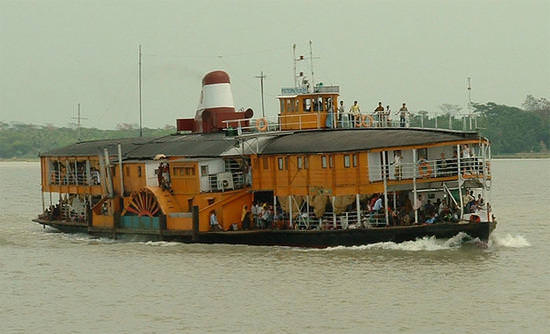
{"x":216,"y":96}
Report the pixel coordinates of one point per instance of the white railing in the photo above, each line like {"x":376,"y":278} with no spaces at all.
{"x":304,"y":121}
{"x":429,"y":169}
{"x":80,"y":179}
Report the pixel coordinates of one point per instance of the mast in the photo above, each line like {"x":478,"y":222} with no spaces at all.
{"x":262,"y":77}
{"x":139,"y":87}
{"x":311,"y":64}
{"x":294,"y":60}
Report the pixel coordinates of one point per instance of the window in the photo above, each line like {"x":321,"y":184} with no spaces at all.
{"x":127,"y":171}
{"x":139,"y":171}
{"x":324,"y":161}
{"x":204,"y":170}
{"x":306,"y":162}
{"x":266,"y":163}
{"x":281,"y":163}
{"x":189,"y":171}
{"x":300,"y":162}
{"x":287,"y":160}
{"x":331,"y":161}
{"x":307,"y":104}
{"x":355,"y":160}
{"x":346,"y":161}
{"x":282,"y":105}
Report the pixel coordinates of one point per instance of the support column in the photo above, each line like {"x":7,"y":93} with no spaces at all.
{"x":415,"y":204}
{"x":274,"y":207}
{"x":384,"y":174}
{"x":333,"y":213}
{"x":307,"y":208}
{"x":358,"y":205}
{"x":121,"y":174}
{"x":459,"y":181}
{"x":290,"y":210}
{"x":484,"y":169}
{"x":394,"y":201}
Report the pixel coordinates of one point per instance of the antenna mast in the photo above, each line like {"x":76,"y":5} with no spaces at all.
{"x":139,"y":84}
{"x":311,"y":63}
{"x":78,"y":118}
{"x":262,"y":77}
{"x":469,"y":88}
{"x":294,"y":60}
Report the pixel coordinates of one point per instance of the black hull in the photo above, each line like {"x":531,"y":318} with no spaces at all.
{"x":317,"y":239}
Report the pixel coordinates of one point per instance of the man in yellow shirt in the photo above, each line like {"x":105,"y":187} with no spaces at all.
{"x":355,"y":114}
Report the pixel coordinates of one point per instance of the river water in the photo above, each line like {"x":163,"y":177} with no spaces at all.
{"x":59,"y":283}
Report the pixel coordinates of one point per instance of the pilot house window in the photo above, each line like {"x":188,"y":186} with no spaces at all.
{"x":300,"y":162}
{"x":281,"y":163}
{"x":324,"y":161}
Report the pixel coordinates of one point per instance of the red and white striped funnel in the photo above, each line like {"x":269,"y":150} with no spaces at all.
{"x":216,"y":98}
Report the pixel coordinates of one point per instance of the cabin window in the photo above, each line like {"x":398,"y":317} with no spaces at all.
{"x":306,"y":162}
{"x":139,"y":171}
{"x":282,"y":105}
{"x":355,"y":160}
{"x":422,"y":154}
{"x":204,"y":170}
{"x":290,"y":105}
{"x":331,"y":161}
{"x":280,"y":163}
{"x":324,"y":161}
{"x":287,"y":160}
{"x":266,"y":163}
{"x":189,"y":171}
{"x":300,"y":162}
{"x":307,"y":104}
{"x":346,"y":161}
{"x":127,"y":171}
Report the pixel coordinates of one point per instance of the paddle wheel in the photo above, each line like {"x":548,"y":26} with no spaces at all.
{"x":143,"y":203}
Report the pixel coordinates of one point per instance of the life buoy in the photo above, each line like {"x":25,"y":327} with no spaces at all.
{"x":261,"y":124}
{"x":364,"y":122}
{"x":424,"y":169}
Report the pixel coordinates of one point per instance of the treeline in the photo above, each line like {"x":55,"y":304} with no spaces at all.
{"x":27,"y":140}
{"x":510,"y":129}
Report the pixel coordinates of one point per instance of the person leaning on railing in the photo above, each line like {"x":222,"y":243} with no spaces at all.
{"x":442,"y":166}
{"x":378,"y":114}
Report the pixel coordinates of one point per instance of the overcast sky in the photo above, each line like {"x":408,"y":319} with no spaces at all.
{"x":55,"y":54}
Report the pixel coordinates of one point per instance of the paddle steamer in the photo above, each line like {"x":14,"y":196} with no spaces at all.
{"x":317,"y":170}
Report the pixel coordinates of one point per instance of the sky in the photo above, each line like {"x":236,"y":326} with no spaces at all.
{"x":55,"y":54}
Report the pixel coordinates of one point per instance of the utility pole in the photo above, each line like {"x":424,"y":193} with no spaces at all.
{"x":470,"y":101}
{"x":139,"y":87}
{"x":78,"y":118}
{"x":262,"y":77}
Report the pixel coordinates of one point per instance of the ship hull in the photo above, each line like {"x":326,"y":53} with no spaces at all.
{"x":296,"y":238}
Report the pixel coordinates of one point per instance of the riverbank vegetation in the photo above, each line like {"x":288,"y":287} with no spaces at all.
{"x":512,"y":131}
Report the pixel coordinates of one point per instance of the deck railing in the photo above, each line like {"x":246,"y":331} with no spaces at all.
{"x":307,"y":121}
{"x":429,"y":169}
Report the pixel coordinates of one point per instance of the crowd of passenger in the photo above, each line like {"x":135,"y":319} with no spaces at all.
{"x":379,"y":117}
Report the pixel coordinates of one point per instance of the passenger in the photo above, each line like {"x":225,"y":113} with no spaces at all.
{"x":254,"y":211}
{"x":479,"y":201}
{"x":160,"y":177}
{"x":343,"y":118}
{"x":268,"y":217}
{"x":397,"y":164}
{"x":442,"y":168}
{"x":377,"y":205}
{"x":466,"y":161}
{"x":355,"y":112}
{"x":245,"y":218}
{"x":329,"y":123}
{"x":452,"y":165}
{"x":387,"y":117}
{"x":378,"y":114}
{"x":467,"y":201}
{"x":214,"y":225}
{"x":403,"y":113}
